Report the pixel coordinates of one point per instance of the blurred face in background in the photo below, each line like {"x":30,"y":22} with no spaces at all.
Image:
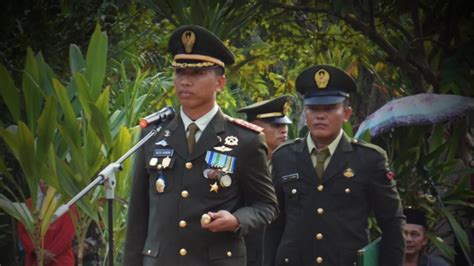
{"x":275,"y":134}
{"x":415,"y":238}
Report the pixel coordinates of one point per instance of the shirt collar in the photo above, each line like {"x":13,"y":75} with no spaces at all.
{"x":202,"y":121}
{"x":332,"y":146}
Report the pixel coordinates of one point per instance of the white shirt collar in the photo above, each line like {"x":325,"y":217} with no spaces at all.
{"x":202,"y":121}
{"x":332,"y":146}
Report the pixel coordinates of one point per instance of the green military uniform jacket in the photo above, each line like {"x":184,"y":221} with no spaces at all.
{"x":324,"y":221}
{"x":164,"y":227}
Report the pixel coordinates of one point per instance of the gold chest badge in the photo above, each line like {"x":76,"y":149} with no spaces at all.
{"x":349,"y":173}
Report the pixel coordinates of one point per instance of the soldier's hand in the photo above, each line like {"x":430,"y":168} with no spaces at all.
{"x":222,"y":221}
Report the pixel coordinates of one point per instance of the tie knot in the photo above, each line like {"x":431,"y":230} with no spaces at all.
{"x":192,"y":128}
{"x":322,"y":155}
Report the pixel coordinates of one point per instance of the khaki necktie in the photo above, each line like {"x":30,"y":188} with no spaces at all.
{"x":321,"y":156}
{"x":192,"y":129}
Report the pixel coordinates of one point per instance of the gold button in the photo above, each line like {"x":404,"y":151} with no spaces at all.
{"x":184,"y":193}
{"x":320,"y":210}
{"x":183,"y":252}
{"x":148,"y":252}
{"x":319,"y":236}
{"x":320,"y":188}
{"x":182,"y":224}
{"x":229,"y":254}
{"x":188,"y":165}
{"x":347,"y":190}
{"x":287,"y":260}
{"x":319,"y":260}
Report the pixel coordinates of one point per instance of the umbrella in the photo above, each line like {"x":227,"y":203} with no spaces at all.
{"x":419,"y":109}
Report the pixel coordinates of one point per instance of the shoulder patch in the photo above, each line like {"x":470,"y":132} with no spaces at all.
{"x":368,"y":145}
{"x":246,"y":124}
{"x":286,"y":143}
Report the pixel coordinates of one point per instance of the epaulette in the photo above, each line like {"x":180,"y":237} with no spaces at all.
{"x":369,"y":145}
{"x":286,"y":143}
{"x":246,"y":124}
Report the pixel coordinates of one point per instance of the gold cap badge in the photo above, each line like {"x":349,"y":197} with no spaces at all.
{"x":286,"y":108}
{"x":321,"y":77}
{"x":188,"y":38}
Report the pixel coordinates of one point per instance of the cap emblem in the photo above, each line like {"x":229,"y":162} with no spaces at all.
{"x":286,"y":108}
{"x":321,"y":77}
{"x":188,"y":38}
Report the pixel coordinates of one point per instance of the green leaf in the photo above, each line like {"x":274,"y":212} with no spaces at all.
{"x":9,"y":93}
{"x":31,"y":92}
{"x":96,"y":61}
{"x":46,"y":75}
{"x":347,"y":127}
{"x":69,"y":122}
{"x":100,"y":125}
{"x":458,"y":231}
{"x":76,"y":60}
{"x":83,"y":93}
{"x":46,"y":129}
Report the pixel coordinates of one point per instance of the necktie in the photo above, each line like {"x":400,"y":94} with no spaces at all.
{"x":321,"y":156}
{"x":192,"y":129}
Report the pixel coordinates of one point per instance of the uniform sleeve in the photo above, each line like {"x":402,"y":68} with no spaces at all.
{"x":137,"y":225}
{"x":257,"y":187}
{"x":62,"y":241}
{"x":274,"y":231}
{"x":388,"y":212}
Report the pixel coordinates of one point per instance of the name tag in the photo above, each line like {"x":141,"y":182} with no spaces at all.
{"x":163,"y":152}
{"x":290,"y":177}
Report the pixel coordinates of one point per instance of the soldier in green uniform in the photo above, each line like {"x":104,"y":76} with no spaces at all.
{"x":328,"y":184}
{"x":271,"y":115}
{"x":202,"y":182}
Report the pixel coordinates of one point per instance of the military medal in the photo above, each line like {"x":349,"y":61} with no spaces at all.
{"x":153,"y":161}
{"x":160,"y":185}
{"x":349,"y":173}
{"x":220,"y":161}
{"x":231,"y":141}
{"x":225,"y":181}
{"x":166,"y":162}
{"x":214,"y":187}
{"x":205,"y":219}
{"x":212,"y":174}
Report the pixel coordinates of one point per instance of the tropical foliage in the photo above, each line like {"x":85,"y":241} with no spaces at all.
{"x":66,"y":120}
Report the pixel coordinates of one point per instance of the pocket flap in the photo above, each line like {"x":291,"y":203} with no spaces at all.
{"x":151,"y":249}
{"x":228,"y":249}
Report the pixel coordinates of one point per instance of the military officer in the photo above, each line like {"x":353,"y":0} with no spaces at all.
{"x":272,"y":116}
{"x":328,"y":184}
{"x":202,"y":183}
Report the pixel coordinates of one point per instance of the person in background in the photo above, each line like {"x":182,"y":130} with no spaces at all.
{"x":58,"y":239}
{"x":328,"y":185}
{"x":272,"y":116}
{"x":416,"y":240}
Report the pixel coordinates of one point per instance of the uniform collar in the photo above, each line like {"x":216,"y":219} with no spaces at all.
{"x":332,"y":146}
{"x":202,"y":121}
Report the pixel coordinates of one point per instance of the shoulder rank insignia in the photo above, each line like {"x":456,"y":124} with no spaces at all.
{"x":246,"y":124}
